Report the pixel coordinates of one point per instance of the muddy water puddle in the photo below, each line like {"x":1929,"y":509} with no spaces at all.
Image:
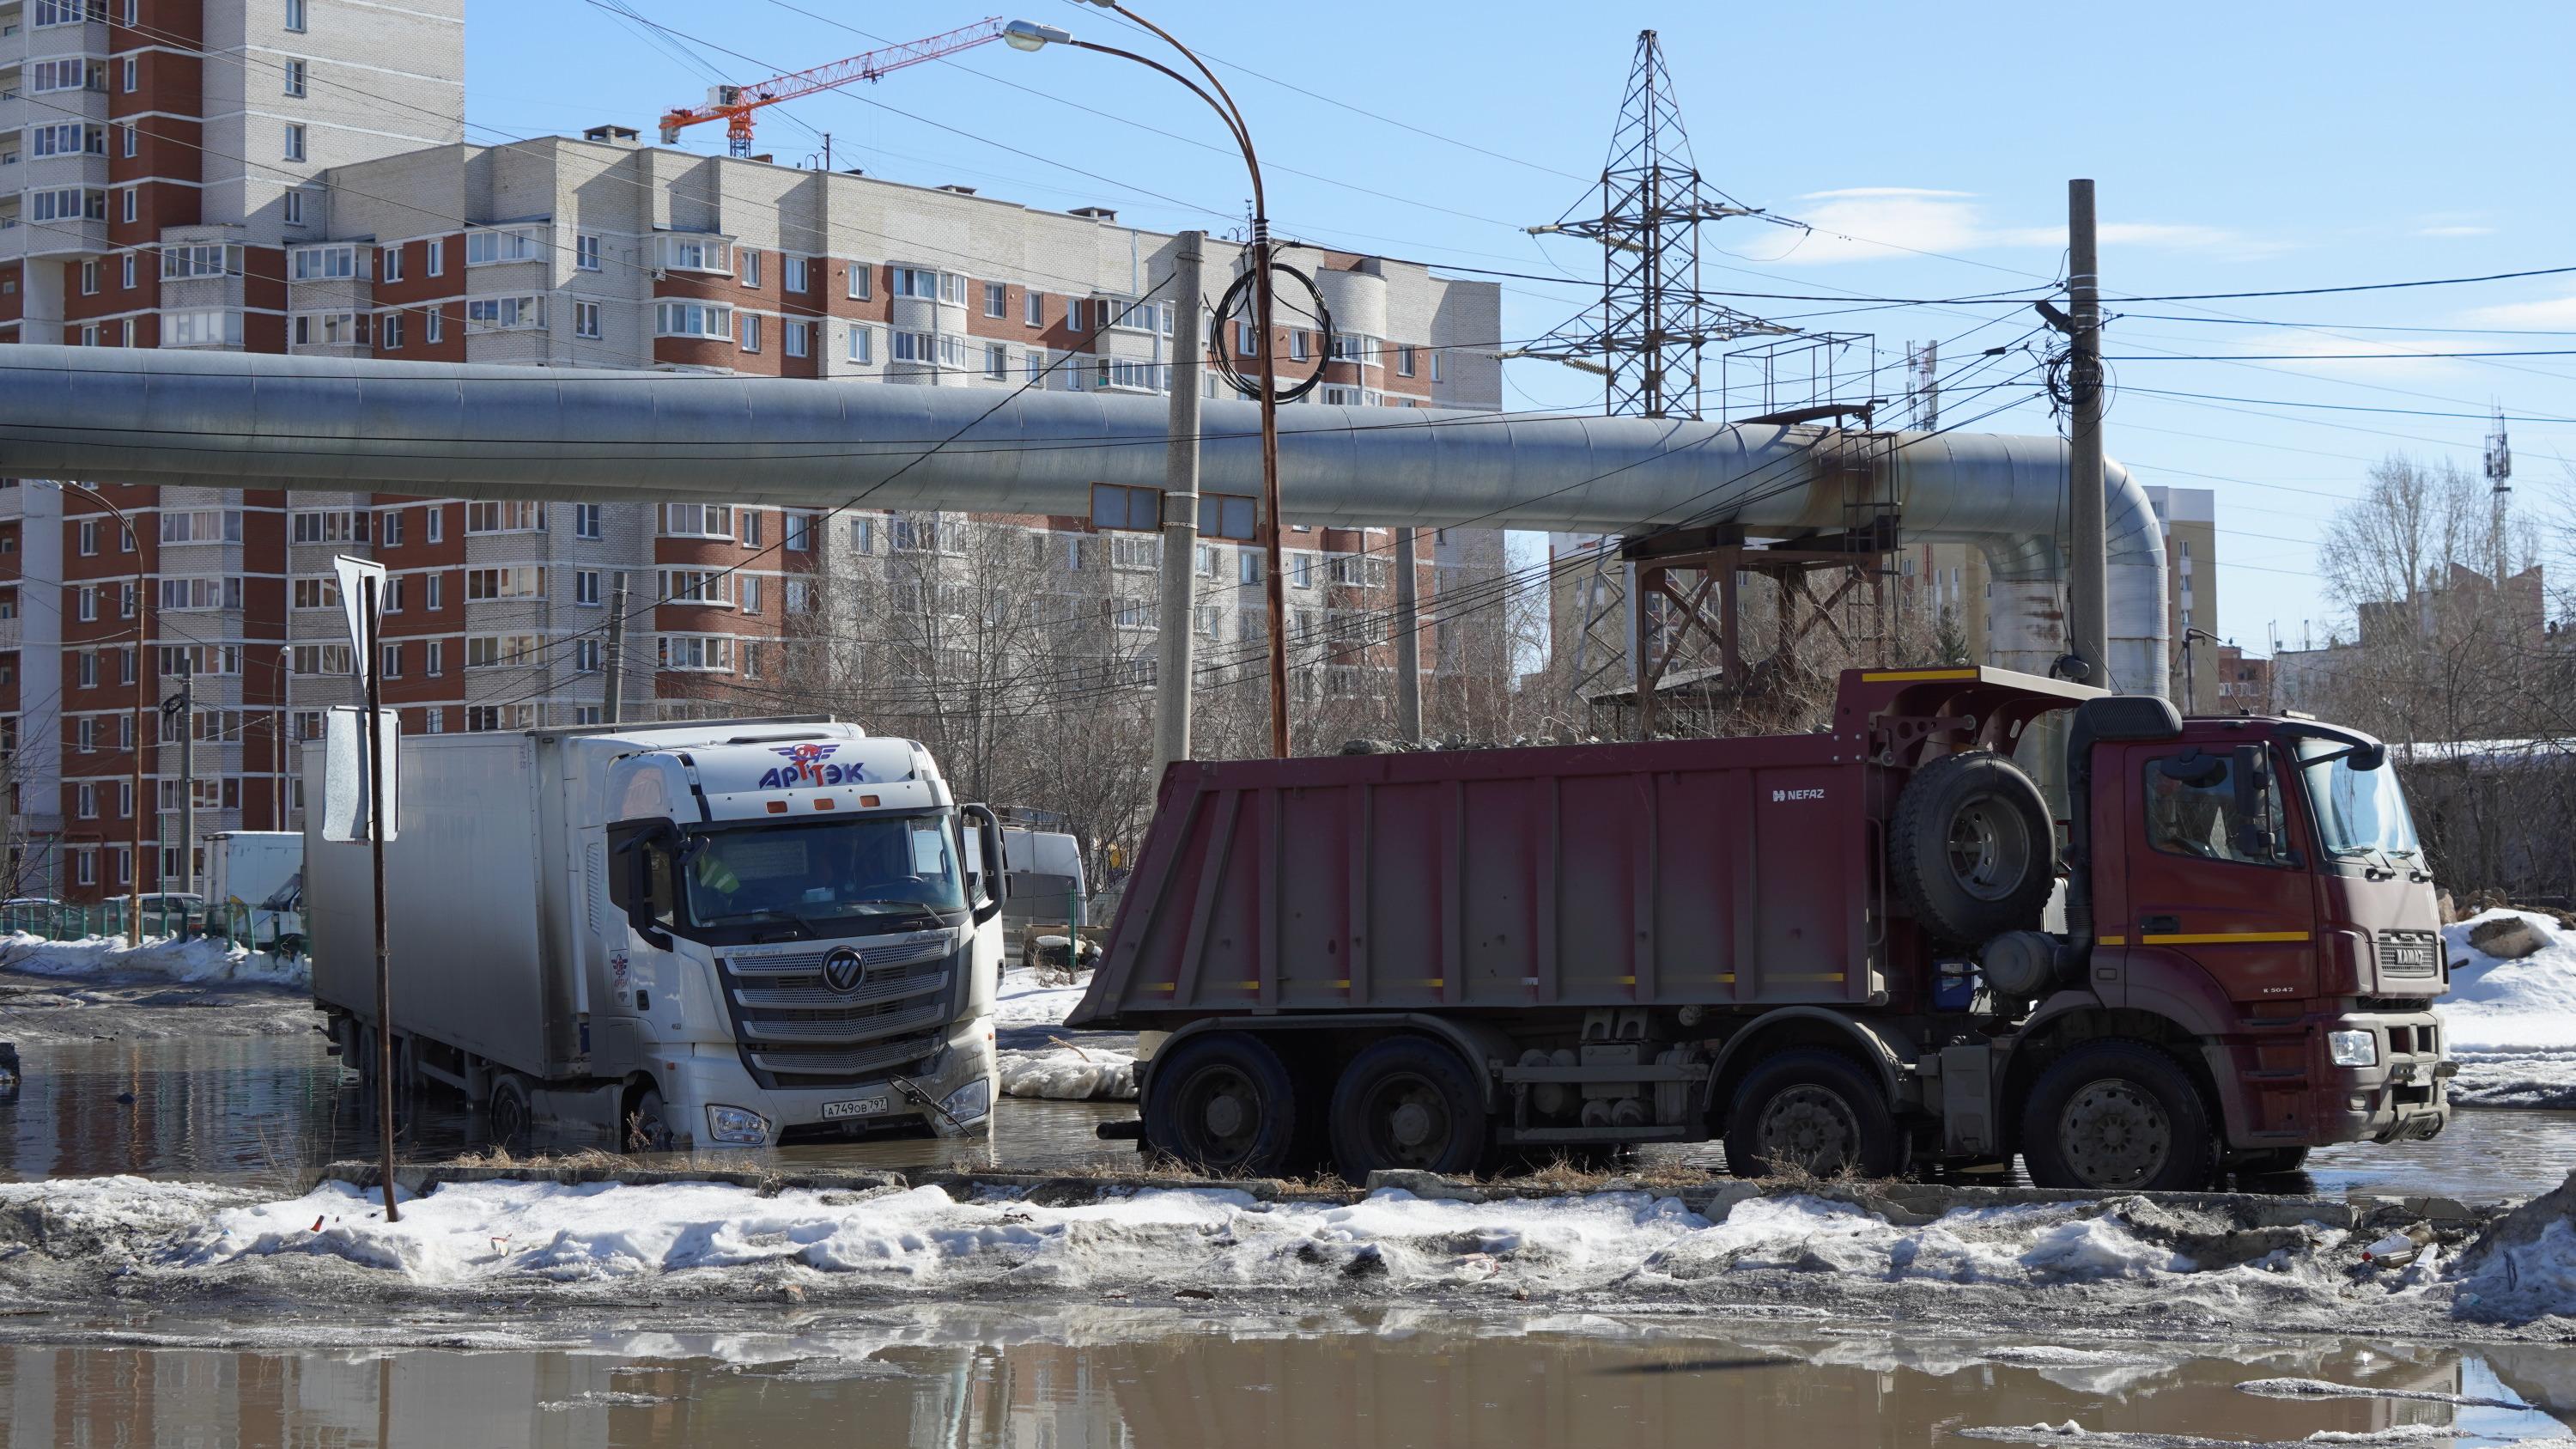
{"x":1115,"y":1377}
{"x":265,"y":1109}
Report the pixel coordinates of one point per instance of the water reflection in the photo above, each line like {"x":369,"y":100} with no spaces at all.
{"x":1082,"y":1378}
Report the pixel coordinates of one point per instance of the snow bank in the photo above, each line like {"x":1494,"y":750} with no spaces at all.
{"x":199,"y":961}
{"x":1024,"y":1002}
{"x":476,"y":1235}
{"x":1070,"y":1074}
{"x":2511,"y":1024}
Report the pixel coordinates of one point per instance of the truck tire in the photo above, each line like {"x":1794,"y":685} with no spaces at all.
{"x":2118,"y":1116}
{"x":1223,"y":1103}
{"x":511,"y":1114}
{"x":1972,"y":849}
{"x":1407,"y":1102}
{"x":647,"y":1127}
{"x":1816,"y":1112}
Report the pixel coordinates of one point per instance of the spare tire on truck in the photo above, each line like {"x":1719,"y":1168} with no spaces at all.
{"x":1972,"y":848}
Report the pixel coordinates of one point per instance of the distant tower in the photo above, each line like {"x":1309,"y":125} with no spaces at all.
{"x":1649,"y":335}
{"x":2500,"y":490}
{"x":1923,"y":386}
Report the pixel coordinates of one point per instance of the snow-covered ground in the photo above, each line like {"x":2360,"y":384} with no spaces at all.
{"x":1065,"y":1069}
{"x":2117,"y":1257}
{"x":2512,"y":1024}
{"x":201,"y":961}
{"x":1025,"y":1001}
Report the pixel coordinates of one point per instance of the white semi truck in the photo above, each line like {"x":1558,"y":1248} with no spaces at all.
{"x":712,"y":933}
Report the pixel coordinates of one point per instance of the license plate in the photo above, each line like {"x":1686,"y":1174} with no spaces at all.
{"x":857,"y":1107}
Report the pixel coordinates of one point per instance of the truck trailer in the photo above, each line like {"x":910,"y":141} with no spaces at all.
{"x":1858,"y":950}
{"x":712,"y":933}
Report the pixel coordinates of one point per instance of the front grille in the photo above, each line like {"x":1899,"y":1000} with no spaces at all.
{"x":796,"y":1030}
{"x":2410,"y":953}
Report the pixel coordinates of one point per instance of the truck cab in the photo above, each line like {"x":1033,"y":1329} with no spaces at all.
{"x":805,"y":939}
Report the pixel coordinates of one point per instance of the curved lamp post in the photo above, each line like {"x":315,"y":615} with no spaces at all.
{"x":1028,"y":35}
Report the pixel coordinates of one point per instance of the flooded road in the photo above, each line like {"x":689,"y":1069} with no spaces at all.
{"x":261,"y":1109}
{"x":1102,"y":1378}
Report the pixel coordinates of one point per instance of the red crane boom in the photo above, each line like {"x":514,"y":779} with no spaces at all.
{"x":735,"y":104}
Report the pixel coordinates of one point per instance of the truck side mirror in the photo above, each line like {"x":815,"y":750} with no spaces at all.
{"x":993,"y":882}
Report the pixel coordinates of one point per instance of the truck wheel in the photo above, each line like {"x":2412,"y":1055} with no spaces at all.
{"x":1817,"y":1112}
{"x":513,"y":1114}
{"x":1971,"y":847}
{"x":2118,"y":1116}
{"x":1223,"y":1103}
{"x":648,"y":1123}
{"x":1407,"y":1102}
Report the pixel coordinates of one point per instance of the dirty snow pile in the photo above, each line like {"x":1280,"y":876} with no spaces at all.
{"x":1070,"y":1073}
{"x":1634,"y":1245}
{"x":2511,"y":1024}
{"x":198,"y":961}
{"x":1025,"y":1001}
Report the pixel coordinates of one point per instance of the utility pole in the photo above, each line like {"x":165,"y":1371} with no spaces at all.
{"x":1408,"y":641}
{"x":1175,"y":665}
{"x":613,"y":709}
{"x":187,"y":773}
{"x":2088,"y":588}
{"x":379,"y":789}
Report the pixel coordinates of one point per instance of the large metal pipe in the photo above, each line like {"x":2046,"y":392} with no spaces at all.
{"x":246,"y":420}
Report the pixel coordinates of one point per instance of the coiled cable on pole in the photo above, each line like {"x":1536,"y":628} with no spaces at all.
{"x":1233,"y":298}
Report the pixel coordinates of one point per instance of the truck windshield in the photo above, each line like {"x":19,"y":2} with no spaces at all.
{"x":2358,"y":811}
{"x":886,"y":865}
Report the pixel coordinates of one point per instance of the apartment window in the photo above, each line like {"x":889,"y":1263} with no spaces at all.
{"x":1351,"y":347}
{"x":1247,"y":567}
{"x":504,"y":314}
{"x":393,"y":661}
{"x":800,"y":596}
{"x":514,"y":517}
{"x":696,"y":652}
{"x":308,"y":726}
{"x":433,"y":326}
{"x":88,"y":536}
{"x":585,"y":656}
{"x":1073,"y":314}
{"x":389,"y":332}
{"x":1438,"y":365}
{"x":390,"y":262}
{"x":863,"y":535}
{"x":133,"y":141}
{"x":585,"y":520}
{"x":799,"y":274}
{"x":320,"y":659}
{"x":751,"y":268}
{"x":436,"y":593}
{"x":87,"y":673}
{"x":585,"y":587}
{"x":517,"y":581}
{"x":295,"y":78}
{"x":798,"y":532}
{"x":793,"y":336}
{"x":486,"y":651}
{"x":434,"y":517}
{"x":997,"y":299}
{"x":215,"y":593}
{"x":863,"y":344}
{"x":309,"y":593}
{"x":434,"y":655}
{"x":328,"y":329}
{"x":859,"y":280}
{"x":433,"y":720}
{"x":389,"y":528}
{"x":585,"y":320}
{"x":750,"y":332}
{"x":997,"y":360}
{"x":1033,"y":309}
{"x":128,"y":204}
{"x":923,"y":282}
{"x":85,"y":861}
{"x":1034,"y":364}
{"x":691,"y":319}
{"x":747,"y":593}
{"x":750,"y":520}
{"x":485,"y":246}
{"x":85,"y":796}
{"x":696,"y":253}
{"x":201,"y":525}
{"x":294,"y":140}
{"x":437,"y":252}
{"x":132,"y":78}
{"x":322,"y":264}
{"x":1404,"y":362}
{"x":294,"y":209}
{"x":916,"y":533}
{"x":698,"y":520}
{"x":295,"y":15}
{"x":329,"y":526}
{"x":1297,"y":345}
{"x":585,"y":252}
{"x":89,"y":278}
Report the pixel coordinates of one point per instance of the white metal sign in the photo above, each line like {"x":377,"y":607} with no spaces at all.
{"x":355,"y":575}
{"x":345,"y":791}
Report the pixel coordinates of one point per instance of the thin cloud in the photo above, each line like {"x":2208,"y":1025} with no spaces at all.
{"x":2455,"y":231}
{"x":2549,"y":312}
{"x":1862,"y":223}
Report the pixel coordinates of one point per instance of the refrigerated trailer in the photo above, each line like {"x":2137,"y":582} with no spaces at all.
{"x":712,"y":933}
{"x":1835,"y":951}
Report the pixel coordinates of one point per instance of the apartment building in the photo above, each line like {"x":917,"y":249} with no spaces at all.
{"x":599,"y":252}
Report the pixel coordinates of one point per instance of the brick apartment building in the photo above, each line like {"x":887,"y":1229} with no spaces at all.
{"x":288,"y":177}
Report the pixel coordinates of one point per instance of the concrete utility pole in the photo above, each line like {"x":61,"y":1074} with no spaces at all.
{"x":1175,"y":664}
{"x":2088,"y":588}
{"x":187,"y":719}
{"x":612,"y":710}
{"x":1408,"y":641}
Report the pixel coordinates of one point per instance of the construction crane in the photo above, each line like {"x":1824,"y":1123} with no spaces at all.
{"x":734,"y":104}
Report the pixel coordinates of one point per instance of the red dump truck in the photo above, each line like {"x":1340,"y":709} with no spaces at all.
{"x":1861,"y":949}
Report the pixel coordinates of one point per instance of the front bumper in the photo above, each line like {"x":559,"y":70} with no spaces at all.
{"x":2286,"y":1089}
{"x":716,"y":1077}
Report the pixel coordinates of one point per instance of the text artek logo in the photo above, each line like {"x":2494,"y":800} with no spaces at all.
{"x":809,"y":765}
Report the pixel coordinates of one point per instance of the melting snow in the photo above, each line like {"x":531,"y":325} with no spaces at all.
{"x":2512,"y":1023}
{"x":199,"y":961}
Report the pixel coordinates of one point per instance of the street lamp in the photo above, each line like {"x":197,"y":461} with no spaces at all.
{"x":143,"y":709}
{"x":1028,"y":35}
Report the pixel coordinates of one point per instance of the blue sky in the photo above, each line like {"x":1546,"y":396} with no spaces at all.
{"x":2237,"y":147}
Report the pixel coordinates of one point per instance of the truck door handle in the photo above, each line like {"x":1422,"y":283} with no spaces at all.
{"x":2161,"y":925}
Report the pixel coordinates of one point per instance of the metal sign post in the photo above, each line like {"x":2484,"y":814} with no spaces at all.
{"x":361,"y":585}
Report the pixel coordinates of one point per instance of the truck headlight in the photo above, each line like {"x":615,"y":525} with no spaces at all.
{"x":738,"y":1126}
{"x":970,"y":1101}
{"x":2353,"y":1048}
